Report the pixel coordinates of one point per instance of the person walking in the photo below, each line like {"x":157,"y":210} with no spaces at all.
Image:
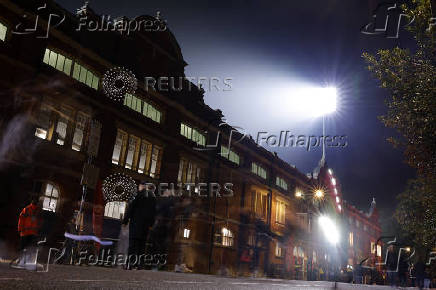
{"x":403,"y":270}
{"x":391,"y":266}
{"x":420,"y":273}
{"x":28,"y":226}
{"x":140,"y":214}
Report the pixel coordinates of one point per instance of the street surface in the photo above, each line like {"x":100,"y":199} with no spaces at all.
{"x":87,"y":277}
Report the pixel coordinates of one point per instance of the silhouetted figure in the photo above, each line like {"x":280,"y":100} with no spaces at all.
{"x":391,"y":266}
{"x":140,"y":213}
{"x":403,"y":270}
{"x":420,"y":273}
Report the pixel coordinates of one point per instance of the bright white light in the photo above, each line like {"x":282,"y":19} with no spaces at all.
{"x":319,"y":193}
{"x":336,"y":191}
{"x":186,"y":233}
{"x":330,"y":172}
{"x":337,"y":199}
{"x":333,"y":181}
{"x":314,"y":102}
{"x":329,"y":228}
{"x":339,"y":207}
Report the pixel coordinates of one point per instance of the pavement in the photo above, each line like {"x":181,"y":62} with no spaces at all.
{"x":89,"y":277}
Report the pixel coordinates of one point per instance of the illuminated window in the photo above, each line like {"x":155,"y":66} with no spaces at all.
{"x":229,"y":154}
{"x":44,"y":122}
{"x":65,"y":116}
{"x":260,"y":204}
{"x":85,"y":76}
{"x":141,"y":106}
{"x":3,"y":31}
{"x":137,"y":154}
{"x":258,"y":170}
{"x":379,"y":251}
{"x":58,"y":61}
{"x":50,"y":197}
{"x":186,"y":233}
{"x":119,"y":147}
{"x":280,"y":212}
{"x":65,"y":64}
{"x":251,"y":240}
{"x":115,"y":209}
{"x":351,"y":239}
{"x":54,"y":124}
{"x":373,"y":248}
{"x":82,"y":121}
{"x":192,"y":134}
{"x":279,"y":250}
{"x":189,"y":172}
{"x":282,"y":183}
{"x":314,"y":257}
{"x":227,"y":237}
{"x":132,"y":152}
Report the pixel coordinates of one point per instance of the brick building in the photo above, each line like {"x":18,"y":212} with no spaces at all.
{"x":56,"y":118}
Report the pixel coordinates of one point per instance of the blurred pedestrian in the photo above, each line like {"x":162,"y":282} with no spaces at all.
{"x":403,"y":268}
{"x":358,"y":274}
{"x":420,"y":273}
{"x":140,"y":214}
{"x":391,"y":266}
{"x":28,"y":227}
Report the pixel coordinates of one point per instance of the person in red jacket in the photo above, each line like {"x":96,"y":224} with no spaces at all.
{"x":28,"y":224}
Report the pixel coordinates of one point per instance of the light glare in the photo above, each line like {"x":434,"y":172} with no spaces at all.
{"x":314,"y":102}
{"x":329,"y":228}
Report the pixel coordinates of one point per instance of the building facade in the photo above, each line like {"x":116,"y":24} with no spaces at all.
{"x":62,"y":135}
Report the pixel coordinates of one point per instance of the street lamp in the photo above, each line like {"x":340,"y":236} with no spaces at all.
{"x":316,"y":102}
{"x":319,"y":193}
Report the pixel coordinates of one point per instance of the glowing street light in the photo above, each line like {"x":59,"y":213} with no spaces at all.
{"x":319,"y":193}
{"x":298,"y":194}
{"x":329,"y":228}
{"x":314,"y":101}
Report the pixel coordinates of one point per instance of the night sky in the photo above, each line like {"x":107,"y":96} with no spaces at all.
{"x":267,"y":47}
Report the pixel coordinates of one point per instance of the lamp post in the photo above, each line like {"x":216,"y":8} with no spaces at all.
{"x":316,"y":102}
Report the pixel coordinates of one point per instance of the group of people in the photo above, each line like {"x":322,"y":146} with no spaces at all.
{"x":398,"y":271}
{"x":401,"y":271}
{"x":136,"y":224}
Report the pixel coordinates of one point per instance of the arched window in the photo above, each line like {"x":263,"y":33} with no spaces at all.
{"x":50,"y":197}
{"x":224,"y":238}
{"x":115,"y":209}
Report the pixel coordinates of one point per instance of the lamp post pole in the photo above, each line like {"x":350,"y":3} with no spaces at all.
{"x":323,"y":141}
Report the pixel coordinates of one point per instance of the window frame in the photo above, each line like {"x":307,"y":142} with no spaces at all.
{"x":188,"y":131}
{"x":150,"y":148}
{"x":50,"y":197}
{"x":259,"y":170}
